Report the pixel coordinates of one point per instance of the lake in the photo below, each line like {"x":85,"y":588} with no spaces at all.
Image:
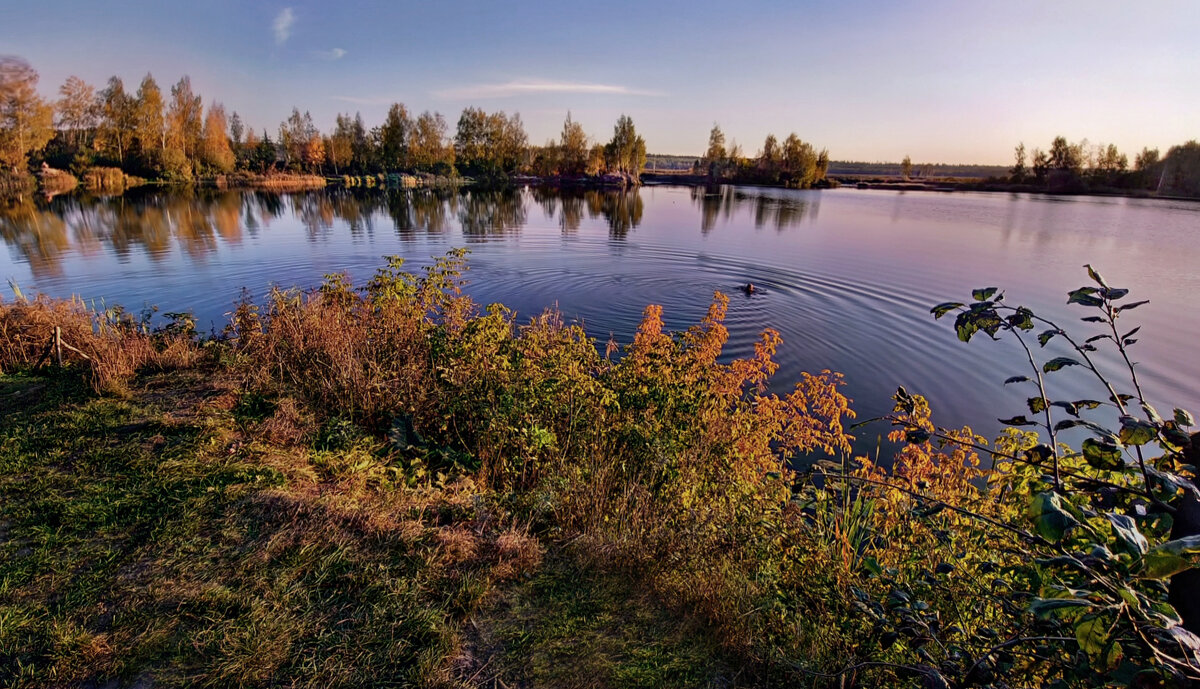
{"x":846,"y":276}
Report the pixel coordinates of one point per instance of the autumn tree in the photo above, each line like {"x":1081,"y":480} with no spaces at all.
{"x":572,"y":148}
{"x":734,"y":154}
{"x":362,"y":151}
{"x":1147,"y":169}
{"x":186,"y":114}
{"x":339,"y":150}
{"x":77,"y":112}
{"x":149,"y":125}
{"x":1145,"y":160}
{"x":1065,"y":156}
{"x":626,"y":152}
{"x":470,"y":137}
{"x":429,"y":148}
{"x":490,"y":144}
{"x":248,"y":150}
{"x":116,"y":121}
{"x":299,"y":141}
{"x":236,"y":131}
{"x":314,"y":152}
{"x":215,"y":151}
{"x":26,"y":120}
{"x":1109,"y":161}
{"x":184,"y":126}
{"x":547,"y":159}
{"x":1181,"y":175}
{"x":801,"y":163}
{"x":1064,"y":165}
{"x":1040,"y":165}
{"x":793,"y":162}
{"x":716,"y":152}
{"x":1019,"y":172}
{"x":509,"y":141}
{"x":394,"y":137}
{"x":771,"y":156}
{"x":906,"y":167}
{"x":595,"y":161}
{"x":266,"y":154}
{"x":291,"y":135}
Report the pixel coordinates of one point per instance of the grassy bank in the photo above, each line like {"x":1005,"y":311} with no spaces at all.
{"x":386,"y":485}
{"x":179,"y":537}
{"x":278,"y":181}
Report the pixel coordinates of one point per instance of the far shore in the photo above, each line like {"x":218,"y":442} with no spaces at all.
{"x":943,"y":185}
{"x":1009,"y":188}
{"x":53,"y":183}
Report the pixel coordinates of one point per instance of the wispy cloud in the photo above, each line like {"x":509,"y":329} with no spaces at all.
{"x":518,"y":88}
{"x":283,"y":25}
{"x":334,"y":54}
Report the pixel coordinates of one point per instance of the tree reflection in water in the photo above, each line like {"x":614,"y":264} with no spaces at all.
{"x":621,"y":209}
{"x":198,"y":221}
{"x":767,"y":206}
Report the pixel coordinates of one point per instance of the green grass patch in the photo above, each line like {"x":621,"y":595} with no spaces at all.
{"x":154,"y":540}
{"x":570,"y":627}
{"x":139,"y":542}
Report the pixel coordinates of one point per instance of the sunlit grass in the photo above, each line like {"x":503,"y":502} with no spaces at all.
{"x":165,"y":539}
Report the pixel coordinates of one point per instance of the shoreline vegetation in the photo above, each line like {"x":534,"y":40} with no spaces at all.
{"x":109,"y":181}
{"x":384,"y":482}
{"x":111,"y":139}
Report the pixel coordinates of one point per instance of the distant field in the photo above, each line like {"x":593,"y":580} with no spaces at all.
{"x":669,"y":162}
{"x":838,"y":168}
{"x":841,"y":168}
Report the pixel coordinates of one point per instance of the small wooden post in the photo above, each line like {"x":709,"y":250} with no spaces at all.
{"x":58,"y":344}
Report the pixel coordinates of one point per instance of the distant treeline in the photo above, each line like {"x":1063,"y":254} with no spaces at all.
{"x":1064,"y":167}
{"x":173,"y":137}
{"x":1080,"y":167}
{"x":110,"y":134}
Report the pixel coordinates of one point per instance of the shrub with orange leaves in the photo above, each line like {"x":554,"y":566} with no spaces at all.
{"x":665,"y":460}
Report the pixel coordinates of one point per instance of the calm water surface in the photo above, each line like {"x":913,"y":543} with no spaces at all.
{"x":846,"y":276}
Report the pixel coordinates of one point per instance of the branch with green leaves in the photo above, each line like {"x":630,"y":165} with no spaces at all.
{"x":1091,"y":526}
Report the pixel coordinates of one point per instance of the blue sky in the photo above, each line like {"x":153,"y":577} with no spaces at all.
{"x":937,"y":80}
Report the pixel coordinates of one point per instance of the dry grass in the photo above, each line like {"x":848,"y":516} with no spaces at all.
{"x":519,"y":553}
{"x":206,"y":551}
{"x":54,"y":181}
{"x":276,"y":181}
{"x":457,"y":545}
{"x":109,"y":180}
{"x":111,"y":348}
{"x":290,"y":424}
